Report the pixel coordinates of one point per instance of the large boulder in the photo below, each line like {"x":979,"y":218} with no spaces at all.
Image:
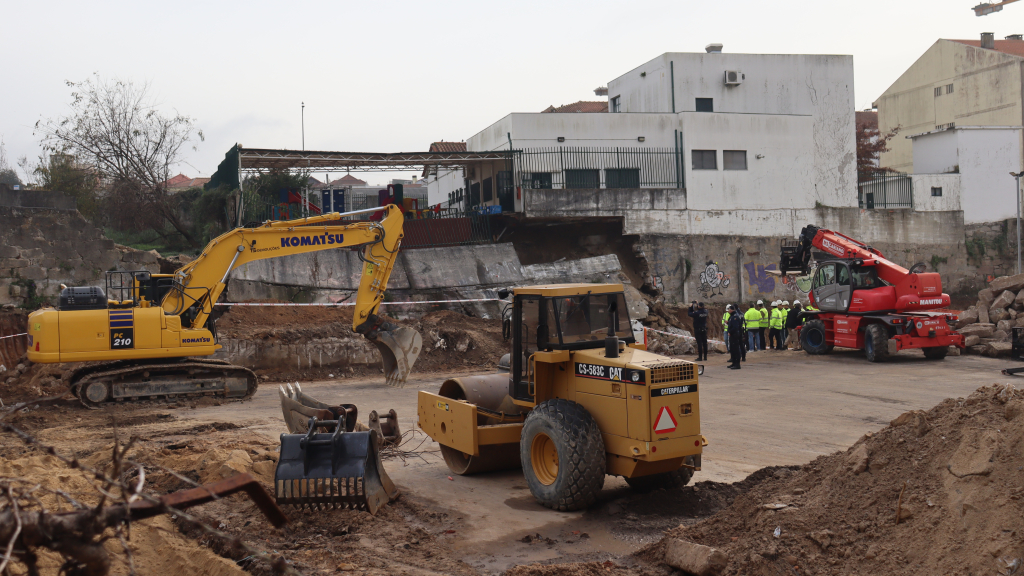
{"x":694,"y":558}
{"x":983,"y":313}
{"x":997,"y":315}
{"x":1001,"y":336}
{"x":969,"y":316}
{"x":998,"y":349}
{"x":1004,"y":326}
{"x":1013,"y":283}
{"x":1018,"y":302}
{"x":1019,"y":322}
{"x":985,"y":297}
{"x":979,"y":349}
{"x":1004,"y":300}
{"x":971,"y":340}
{"x":980,"y":330}
{"x":1013,"y":313}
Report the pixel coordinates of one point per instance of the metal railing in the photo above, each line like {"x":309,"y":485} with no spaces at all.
{"x":580,"y":167}
{"x":884,"y":189}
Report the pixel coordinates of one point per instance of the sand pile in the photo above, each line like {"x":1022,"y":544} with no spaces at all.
{"x":953,"y":477}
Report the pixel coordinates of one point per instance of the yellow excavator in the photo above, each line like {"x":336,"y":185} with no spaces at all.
{"x":148,"y":330}
{"x":581,"y":399}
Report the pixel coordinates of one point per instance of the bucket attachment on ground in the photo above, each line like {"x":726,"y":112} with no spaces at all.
{"x":399,"y":348}
{"x":299,"y":407}
{"x":338,"y":469}
{"x":386,"y":427}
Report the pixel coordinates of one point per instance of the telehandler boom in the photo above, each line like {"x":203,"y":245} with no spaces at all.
{"x":147,"y":329}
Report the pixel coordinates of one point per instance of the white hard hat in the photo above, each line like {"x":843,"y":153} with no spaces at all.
{"x":785,"y":302}
{"x":760,"y":302}
{"x":795,"y":302}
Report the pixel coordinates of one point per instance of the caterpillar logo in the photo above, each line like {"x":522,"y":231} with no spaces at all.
{"x":321,"y":240}
{"x":195,"y":340}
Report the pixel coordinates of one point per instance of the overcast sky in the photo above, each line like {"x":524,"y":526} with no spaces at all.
{"x":395,"y":76}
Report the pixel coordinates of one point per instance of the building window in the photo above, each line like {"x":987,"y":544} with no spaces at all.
{"x":949,"y":88}
{"x":615,"y":104}
{"x":938,"y":91}
{"x":949,"y":126}
{"x":705,"y":104}
{"x":538,"y":181}
{"x":704,"y":159}
{"x":582,"y":178}
{"x":622,"y":178}
{"x":734,"y":159}
{"x":936,"y":190}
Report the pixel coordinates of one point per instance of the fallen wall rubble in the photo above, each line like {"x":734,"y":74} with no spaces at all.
{"x":988,"y":325}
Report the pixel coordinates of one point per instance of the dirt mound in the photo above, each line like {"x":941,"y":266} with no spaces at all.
{"x":935,"y":492}
{"x":26,"y":381}
{"x":453,"y":340}
{"x":285,"y":322}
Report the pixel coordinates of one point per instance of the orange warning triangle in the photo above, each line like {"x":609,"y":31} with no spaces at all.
{"x":665,"y":422}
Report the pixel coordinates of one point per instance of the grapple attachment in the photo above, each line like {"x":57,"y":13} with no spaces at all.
{"x":386,"y":426}
{"x":337,"y":469}
{"x":298,"y":407}
{"x":399,"y":348}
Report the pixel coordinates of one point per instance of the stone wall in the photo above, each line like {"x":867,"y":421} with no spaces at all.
{"x":42,"y":248}
{"x":991,"y":250}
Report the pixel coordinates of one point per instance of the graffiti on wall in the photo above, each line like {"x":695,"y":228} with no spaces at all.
{"x":759,"y":280}
{"x":712,"y":279}
{"x":799,"y":284}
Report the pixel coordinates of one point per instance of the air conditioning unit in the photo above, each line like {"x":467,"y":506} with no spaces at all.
{"x":734,"y":77}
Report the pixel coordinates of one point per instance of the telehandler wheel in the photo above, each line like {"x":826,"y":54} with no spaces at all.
{"x":813,"y":339}
{"x":668,"y":480}
{"x":563,"y":455}
{"x":936,"y":352}
{"x":876,"y":346}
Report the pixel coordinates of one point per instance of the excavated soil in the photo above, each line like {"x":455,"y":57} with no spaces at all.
{"x":953,"y":477}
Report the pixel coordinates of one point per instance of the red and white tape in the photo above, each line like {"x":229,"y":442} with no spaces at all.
{"x":14,"y":335}
{"x":353,"y":303}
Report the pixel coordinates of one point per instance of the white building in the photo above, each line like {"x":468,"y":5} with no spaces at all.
{"x":731,"y":131}
{"x":967,"y":168}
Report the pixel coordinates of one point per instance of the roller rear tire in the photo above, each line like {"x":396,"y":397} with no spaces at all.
{"x":563,"y":455}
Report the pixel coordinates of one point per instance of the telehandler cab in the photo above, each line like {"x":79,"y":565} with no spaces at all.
{"x":581,"y":400}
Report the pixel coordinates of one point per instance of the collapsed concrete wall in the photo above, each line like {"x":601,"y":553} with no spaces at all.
{"x":44,"y":247}
{"x":449,"y":273}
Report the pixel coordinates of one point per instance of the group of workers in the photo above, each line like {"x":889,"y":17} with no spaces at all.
{"x":760,"y":329}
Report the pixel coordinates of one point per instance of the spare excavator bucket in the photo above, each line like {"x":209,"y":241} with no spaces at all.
{"x":299,"y":407}
{"x":337,"y":469}
{"x":399,"y":348}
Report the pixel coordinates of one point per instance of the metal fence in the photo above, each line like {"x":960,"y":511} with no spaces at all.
{"x":579,"y":167}
{"x":884,"y":189}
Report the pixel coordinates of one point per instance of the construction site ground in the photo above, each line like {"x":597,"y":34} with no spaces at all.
{"x":783,"y":409}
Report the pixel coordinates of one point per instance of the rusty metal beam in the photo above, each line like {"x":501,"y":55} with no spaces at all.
{"x":263,"y":159}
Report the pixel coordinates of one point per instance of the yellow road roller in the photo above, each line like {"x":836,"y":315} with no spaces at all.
{"x":581,"y":400}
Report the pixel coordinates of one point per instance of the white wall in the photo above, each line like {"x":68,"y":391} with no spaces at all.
{"x":817,"y":85}
{"x":935,"y":152}
{"x":986,"y":157}
{"x":923,"y":199}
{"x":539,"y":130}
{"x":782,"y":178}
{"x":438,"y":187}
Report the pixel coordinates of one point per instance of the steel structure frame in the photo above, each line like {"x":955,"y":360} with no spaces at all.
{"x":257,"y":160}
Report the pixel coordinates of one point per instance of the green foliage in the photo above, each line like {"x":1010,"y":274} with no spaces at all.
{"x":61,"y":173}
{"x":33,"y":301}
{"x":7,"y":174}
{"x":936,"y":260}
{"x":269,"y":184}
{"x":975,"y":248}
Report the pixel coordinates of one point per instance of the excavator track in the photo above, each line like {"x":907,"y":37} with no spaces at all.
{"x":128,"y":380}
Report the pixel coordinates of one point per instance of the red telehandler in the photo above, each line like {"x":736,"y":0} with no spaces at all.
{"x":867,"y":302}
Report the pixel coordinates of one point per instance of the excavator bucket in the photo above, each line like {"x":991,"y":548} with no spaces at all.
{"x":336,"y":469}
{"x":299,"y":407}
{"x":386,"y":427}
{"x":399,"y":348}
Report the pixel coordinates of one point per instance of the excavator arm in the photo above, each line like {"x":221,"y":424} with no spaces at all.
{"x":197,"y":285}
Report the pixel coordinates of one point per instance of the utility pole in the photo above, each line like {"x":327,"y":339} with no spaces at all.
{"x":303,"y":126}
{"x":1017,"y":176}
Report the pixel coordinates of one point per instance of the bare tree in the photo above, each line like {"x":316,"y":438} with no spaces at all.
{"x":115,"y":126}
{"x":7,"y":173}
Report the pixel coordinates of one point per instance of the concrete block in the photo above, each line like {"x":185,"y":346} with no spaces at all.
{"x":694,"y":558}
{"x":971,"y":340}
{"x":1019,"y":299}
{"x":997,"y":315}
{"x":1001,"y":336}
{"x":33,"y":273}
{"x":979,"y":349}
{"x":968,"y":317}
{"x":998,"y":349}
{"x":1004,"y":299}
{"x":953,"y":351}
{"x":1004,"y":326}
{"x":981,"y":330}
{"x":985,"y":297}
{"x":983,"y":313}
{"x":1013,"y":313}
{"x":1013,"y":283}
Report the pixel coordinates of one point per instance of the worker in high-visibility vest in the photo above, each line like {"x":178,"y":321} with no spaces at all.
{"x":762,"y":331}
{"x":725,"y":327}
{"x":784,"y":306}
{"x":752,"y":322}
{"x":775,"y":327}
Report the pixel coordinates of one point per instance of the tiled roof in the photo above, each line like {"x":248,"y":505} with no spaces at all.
{"x":868,"y":117}
{"x":581,"y":106}
{"x":177,"y":181}
{"x":182,"y":182}
{"x":1011,"y":47}
{"x":348,"y":180}
{"x":448,"y":147}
